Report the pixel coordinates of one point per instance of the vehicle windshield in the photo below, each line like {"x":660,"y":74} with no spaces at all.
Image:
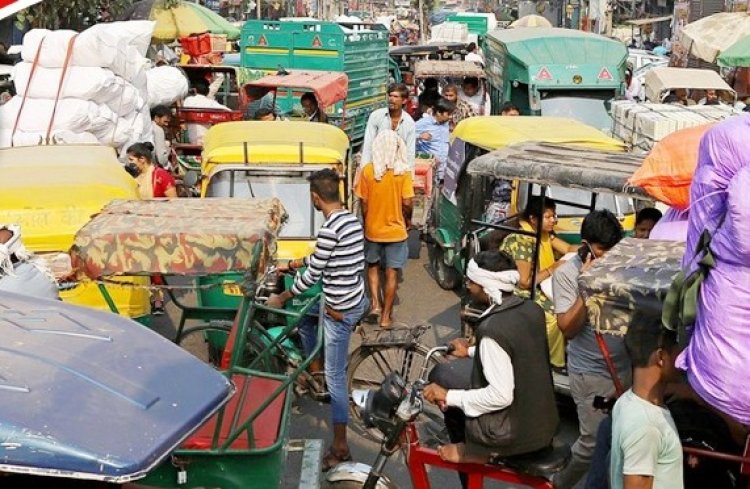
{"x":291,"y":188}
{"x":591,"y":111}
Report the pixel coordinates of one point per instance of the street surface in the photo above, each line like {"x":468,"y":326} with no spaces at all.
{"x":420,"y":301}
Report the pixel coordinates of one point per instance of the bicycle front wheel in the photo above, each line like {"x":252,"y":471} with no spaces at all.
{"x":369,"y":366}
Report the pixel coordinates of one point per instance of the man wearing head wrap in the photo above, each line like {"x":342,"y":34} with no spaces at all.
{"x":501,"y":401}
{"x":20,"y":271}
{"x":386,"y":191}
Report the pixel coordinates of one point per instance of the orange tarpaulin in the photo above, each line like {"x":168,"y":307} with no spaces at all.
{"x":667,"y":172}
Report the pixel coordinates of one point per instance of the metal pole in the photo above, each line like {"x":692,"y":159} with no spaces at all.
{"x":257,"y":8}
{"x":421,"y":21}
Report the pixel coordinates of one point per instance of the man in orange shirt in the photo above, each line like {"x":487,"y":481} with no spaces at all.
{"x":386,"y":190}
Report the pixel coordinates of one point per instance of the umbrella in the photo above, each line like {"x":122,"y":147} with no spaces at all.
{"x":708,"y":37}
{"x":531,"y":21}
{"x":737,"y":55}
{"x":180,"y":19}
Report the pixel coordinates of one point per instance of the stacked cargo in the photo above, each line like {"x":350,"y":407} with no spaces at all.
{"x":81,"y":88}
{"x":643,"y":125}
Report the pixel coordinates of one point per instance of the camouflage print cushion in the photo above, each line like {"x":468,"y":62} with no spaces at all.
{"x":634,"y":275}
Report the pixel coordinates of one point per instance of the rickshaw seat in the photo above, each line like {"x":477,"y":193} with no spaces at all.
{"x":251,"y":392}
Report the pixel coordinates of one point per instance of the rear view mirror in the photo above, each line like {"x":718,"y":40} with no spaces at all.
{"x":191,"y":178}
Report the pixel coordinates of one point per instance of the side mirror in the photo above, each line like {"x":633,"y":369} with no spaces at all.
{"x":191,"y":178}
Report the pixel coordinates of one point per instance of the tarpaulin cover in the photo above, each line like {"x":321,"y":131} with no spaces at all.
{"x":329,"y":87}
{"x":667,"y":171}
{"x":180,"y":236}
{"x":94,"y":395}
{"x":634,"y":276}
{"x":717,"y":358}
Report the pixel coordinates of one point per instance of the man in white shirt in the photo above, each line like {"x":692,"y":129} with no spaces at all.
{"x":161,"y":117}
{"x":473,"y":94}
{"x":201,"y":100}
{"x":473,"y":56}
{"x":394,"y":118}
{"x":501,"y":402}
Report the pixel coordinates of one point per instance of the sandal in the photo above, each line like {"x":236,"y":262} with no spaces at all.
{"x":331,"y":460}
{"x":372,"y":316}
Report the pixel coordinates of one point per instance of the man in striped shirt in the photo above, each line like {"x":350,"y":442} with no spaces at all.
{"x":339,"y":261}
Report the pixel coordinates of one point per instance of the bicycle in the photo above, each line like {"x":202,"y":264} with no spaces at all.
{"x":386,"y":351}
{"x":393,"y":409}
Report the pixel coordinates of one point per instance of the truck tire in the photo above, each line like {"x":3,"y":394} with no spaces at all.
{"x":445,"y":276}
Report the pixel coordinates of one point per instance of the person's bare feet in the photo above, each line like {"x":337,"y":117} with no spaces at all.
{"x":456,"y":453}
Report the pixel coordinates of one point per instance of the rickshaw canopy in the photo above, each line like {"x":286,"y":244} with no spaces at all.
{"x":664,"y":78}
{"x":269,"y":142}
{"x":562,"y":165}
{"x":177,"y":237}
{"x":328,"y":87}
{"x":93,"y":395}
{"x":51,"y":191}
{"x":448,"y":69}
{"x":493,"y":132}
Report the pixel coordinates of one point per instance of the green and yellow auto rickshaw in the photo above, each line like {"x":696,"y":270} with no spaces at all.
{"x":465,"y":197}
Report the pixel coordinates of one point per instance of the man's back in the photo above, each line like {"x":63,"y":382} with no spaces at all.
{"x":384,"y":221}
{"x":644,"y":442}
{"x":531,"y":420}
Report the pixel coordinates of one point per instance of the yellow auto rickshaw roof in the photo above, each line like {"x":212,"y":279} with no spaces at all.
{"x":52,"y":191}
{"x":494,"y":132}
{"x":270,"y":142}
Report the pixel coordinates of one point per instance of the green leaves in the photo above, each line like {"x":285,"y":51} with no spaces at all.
{"x":69,"y":14}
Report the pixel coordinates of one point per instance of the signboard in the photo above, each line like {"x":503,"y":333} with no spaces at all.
{"x":11,"y":7}
{"x":453,"y":169}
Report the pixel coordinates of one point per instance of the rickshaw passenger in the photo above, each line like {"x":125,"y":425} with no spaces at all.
{"x":265,"y":114}
{"x":433,"y":134}
{"x":501,"y":402}
{"x":463,"y":108}
{"x":393,"y":118}
{"x":201,"y":100}
{"x":508,"y":109}
{"x":474,"y":96}
{"x":312,"y":109}
{"x":645,"y":221}
{"x":521,"y":248}
{"x":260,"y":100}
{"x":589,"y":375}
{"x":338,"y":260}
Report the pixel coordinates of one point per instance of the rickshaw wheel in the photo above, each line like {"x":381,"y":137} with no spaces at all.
{"x":445,"y":276}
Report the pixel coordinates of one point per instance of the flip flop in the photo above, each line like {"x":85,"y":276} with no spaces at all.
{"x":372,"y":316}
{"x":331,"y":460}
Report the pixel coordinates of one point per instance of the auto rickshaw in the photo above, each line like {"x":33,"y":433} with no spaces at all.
{"x":243,"y":443}
{"x":272,"y":159}
{"x":446,"y":72}
{"x":329,"y":88}
{"x":51,"y":192}
{"x":663,"y":81}
{"x":465,"y":197}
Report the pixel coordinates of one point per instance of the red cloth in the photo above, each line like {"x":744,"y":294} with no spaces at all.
{"x":162,"y":180}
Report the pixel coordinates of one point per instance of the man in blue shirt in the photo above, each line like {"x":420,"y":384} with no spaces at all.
{"x":433,"y":133}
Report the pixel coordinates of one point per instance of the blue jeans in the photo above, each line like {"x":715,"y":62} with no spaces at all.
{"x":336,"y":352}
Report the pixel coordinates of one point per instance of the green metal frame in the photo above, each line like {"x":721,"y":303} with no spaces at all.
{"x":221,"y":465}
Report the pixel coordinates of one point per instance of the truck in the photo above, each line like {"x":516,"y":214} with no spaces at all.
{"x":360,"y":50}
{"x":555,"y":72}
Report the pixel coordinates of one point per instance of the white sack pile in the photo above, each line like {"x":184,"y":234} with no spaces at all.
{"x":103,"y":92}
{"x":166,"y":85}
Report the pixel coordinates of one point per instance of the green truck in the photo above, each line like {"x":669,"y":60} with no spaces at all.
{"x":359,"y":50}
{"x":555,"y":72}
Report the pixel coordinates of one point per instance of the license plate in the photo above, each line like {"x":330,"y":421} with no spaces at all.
{"x":232,"y":289}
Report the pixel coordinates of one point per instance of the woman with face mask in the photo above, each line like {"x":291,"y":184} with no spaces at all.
{"x":153,"y":181}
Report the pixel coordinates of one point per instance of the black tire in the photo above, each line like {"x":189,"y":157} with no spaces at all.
{"x":445,"y":276}
{"x":368,"y":366}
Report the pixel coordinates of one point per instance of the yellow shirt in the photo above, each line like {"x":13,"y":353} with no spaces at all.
{"x":384,"y":222}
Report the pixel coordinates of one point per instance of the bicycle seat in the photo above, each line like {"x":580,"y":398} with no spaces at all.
{"x":542,"y":463}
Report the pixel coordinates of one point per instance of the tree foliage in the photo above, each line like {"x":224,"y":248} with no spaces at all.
{"x":70,"y":14}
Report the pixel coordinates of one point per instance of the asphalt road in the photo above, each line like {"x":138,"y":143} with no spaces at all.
{"x":420,"y":301}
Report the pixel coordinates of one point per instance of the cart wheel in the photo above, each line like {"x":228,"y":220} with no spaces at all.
{"x":445,"y":276}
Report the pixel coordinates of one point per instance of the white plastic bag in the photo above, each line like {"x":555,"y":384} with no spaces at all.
{"x":166,"y":85}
